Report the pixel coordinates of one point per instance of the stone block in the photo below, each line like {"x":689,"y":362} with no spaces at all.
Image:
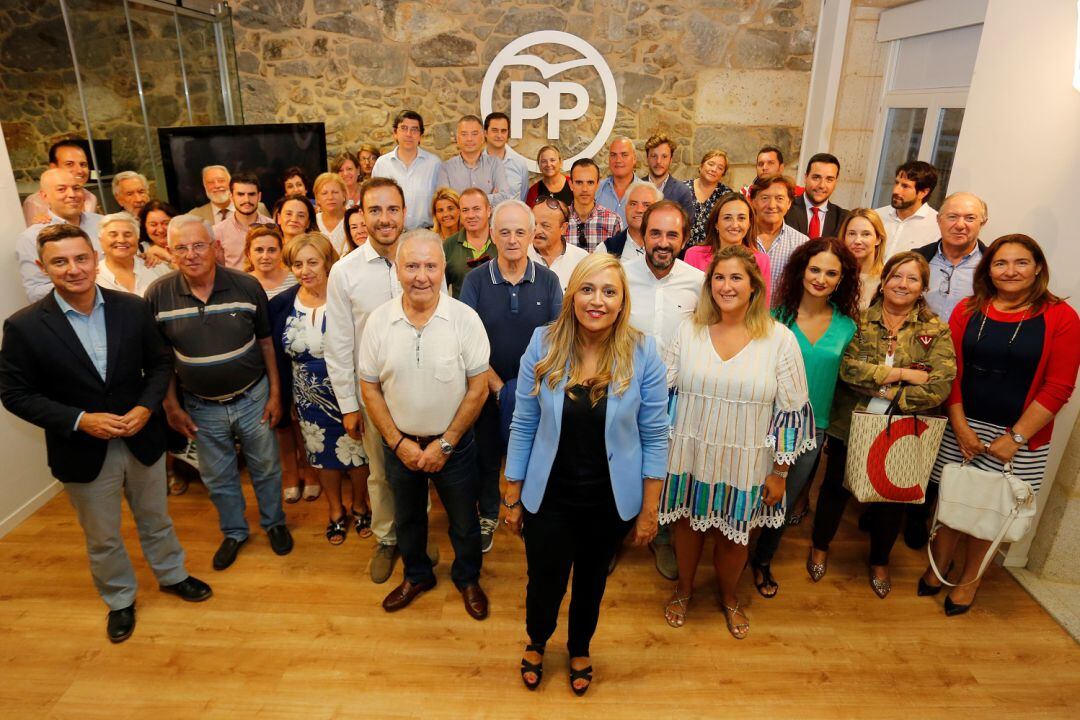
{"x":1056,"y":544}
{"x":271,"y":14}
{"x":755,"y":97}
{"x":247,"y":62}
{"x":445,"y":50}
{"x":281,"y":49}
{"x":377,"y":63}
{"x":705,"y":42}
{"x":852,"y":147}
{"x":863,"y":54}
{"x":756,"y":49}
{"x":349,"y":24}
{"x":412,"y":22}
{"x":301,"y":68}
{"x":520,"y":21}
{"x":260,"y":102}
{"x":742,"y":143}
{"x":635,"y":88}
{"x":802,"y":41}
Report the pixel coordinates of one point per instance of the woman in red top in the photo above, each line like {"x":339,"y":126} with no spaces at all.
{"x":1017,"y":353}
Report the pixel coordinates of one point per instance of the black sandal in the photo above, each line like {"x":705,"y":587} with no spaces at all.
{"x":767,"y":580}
{"x":363,"y":523}
{"x":535,"y":668}
{"x":584,"y":673}
{"x":337,"y":530}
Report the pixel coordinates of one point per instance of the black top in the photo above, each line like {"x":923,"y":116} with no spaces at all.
{"x":998,"y":375}
{"x":566,"y":194}
{"x":579,"y":475}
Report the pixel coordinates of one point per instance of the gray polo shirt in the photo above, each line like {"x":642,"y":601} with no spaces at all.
{"x":215,"y":343}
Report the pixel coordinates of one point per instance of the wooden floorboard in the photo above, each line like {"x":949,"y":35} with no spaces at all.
{"x":305,"y":637}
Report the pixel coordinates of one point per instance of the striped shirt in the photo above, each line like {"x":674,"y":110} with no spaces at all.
{"x":215,"y":343}
{"x":786,"y":242}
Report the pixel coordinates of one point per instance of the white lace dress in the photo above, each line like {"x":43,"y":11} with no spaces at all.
{"x":732,"y":419}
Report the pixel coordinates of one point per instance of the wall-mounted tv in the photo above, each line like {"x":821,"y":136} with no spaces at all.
{"x":266,"y":150}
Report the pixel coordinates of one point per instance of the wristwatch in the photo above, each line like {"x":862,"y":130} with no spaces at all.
{"x":447,"y":448}
{"x":1016,"y":437}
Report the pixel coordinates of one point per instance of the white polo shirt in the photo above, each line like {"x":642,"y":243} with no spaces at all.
{"x":919,"y":229}
{"x":657,"y":307}
{"x":564,"y":265}
{"x":423,"y":371}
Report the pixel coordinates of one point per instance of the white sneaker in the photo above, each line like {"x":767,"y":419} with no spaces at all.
{"x":487,"y":534}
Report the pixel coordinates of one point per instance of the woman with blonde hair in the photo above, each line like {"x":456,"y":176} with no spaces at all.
{"x":864,"y":235}
{"x":446,"y":210}
{"x":707,"y":189}
{"x":553,"y":182}
{"x":298,"y":321}
{"x":585,"y":458}
{"x":330,"y":194}
{"x":742,"y":417}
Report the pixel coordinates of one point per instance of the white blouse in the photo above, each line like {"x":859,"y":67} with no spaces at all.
{"x":144,"y":276}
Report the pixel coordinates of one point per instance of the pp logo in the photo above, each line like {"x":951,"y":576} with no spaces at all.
{"x":549,"y":95}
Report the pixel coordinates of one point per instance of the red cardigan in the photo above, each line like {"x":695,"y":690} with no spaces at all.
{"x":1055,"y":376}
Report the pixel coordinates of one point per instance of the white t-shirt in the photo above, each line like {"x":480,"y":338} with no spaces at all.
{"x":919,"y":229}
{"x":564,"y":265}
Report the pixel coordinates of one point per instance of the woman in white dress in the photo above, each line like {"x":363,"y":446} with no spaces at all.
{"x":123,"y":269}
{"x":742,"y":417}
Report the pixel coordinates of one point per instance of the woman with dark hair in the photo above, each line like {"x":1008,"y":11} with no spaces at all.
{"x":1017,"y":337}
{"x":348,"y":169}
{"x":707,"y":189}
{"x":901,"y":349}
{"x":154,"y":220}
{"x":263,"y":246}
{"x":730,"y":222}
{"x":294,"y":217}
{"x":295,"y":182}
{"x":356,"y":233}
{"x":365,"y":158}
{"x":734,"y":365}
{"x":818,"y":300}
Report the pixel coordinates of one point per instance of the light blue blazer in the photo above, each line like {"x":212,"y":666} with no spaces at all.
{"x":635,"y":429}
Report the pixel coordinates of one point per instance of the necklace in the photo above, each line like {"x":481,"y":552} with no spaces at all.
{"x":1016,"y":332}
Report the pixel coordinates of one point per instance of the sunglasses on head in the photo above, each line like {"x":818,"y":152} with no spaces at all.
{"x":557,"y":204}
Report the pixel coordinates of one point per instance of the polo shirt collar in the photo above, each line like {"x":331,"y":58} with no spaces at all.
{"x":497,"y":277}
{"x":464,"y":240}
{"x":442,"y":310}
{"x":65,"y":306}
{"x":220,"y":283}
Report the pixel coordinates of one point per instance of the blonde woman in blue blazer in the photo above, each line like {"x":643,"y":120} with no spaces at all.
{"x":588,"y":448}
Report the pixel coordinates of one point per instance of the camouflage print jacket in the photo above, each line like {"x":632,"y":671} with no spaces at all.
{"x":923,"y":343}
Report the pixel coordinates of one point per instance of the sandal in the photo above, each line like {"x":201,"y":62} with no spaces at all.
{"x":767,"y":582}
{"x":675,"y":610}
{"x":797,"y":517}
{"x":536,"y":669}
{"x":738,"y":631}
{"x":584,"y":673}
{"x":337,"y":531}
{"x":363,"y":523}
{"x":177,"y":485}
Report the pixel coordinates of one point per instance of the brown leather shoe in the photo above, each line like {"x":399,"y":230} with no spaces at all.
{"x":404,"y":594}
{"x":476,"y":602}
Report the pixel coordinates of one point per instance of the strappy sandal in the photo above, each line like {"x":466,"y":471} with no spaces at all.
{"x":676,"y":608}
{"x":363,"y":523}
{"x":767,"y":580}
{"x":584,"y":673}
{"x":738,"y":631}
{"x":536,"y":669}
{"x":797,"y":517}
{"x":337,"y":530}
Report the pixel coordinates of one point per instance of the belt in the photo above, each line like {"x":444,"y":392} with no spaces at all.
{"x":423,"y":440}
{"x":228,"y":399}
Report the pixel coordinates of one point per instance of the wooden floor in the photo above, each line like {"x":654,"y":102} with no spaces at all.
{"x":305,"y":637}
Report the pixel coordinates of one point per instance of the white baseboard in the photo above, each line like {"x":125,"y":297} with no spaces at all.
{"x":30,"y":507}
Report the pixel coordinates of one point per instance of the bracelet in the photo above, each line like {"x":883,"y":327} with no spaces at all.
{"x":511,"y":506}
{"x":782,"y":474}
{"x":398,"y":443}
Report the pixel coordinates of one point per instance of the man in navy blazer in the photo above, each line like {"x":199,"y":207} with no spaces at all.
{"x":89,"y":366}
{"x":822,"y":172}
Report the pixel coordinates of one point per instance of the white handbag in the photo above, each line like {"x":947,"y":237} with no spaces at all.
{"x":994,"y":506}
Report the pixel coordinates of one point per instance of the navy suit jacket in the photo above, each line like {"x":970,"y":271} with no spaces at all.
{"x":796,"y":218}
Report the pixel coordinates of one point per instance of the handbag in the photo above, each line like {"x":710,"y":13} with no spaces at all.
{"x":994,"y":506}
{"x":890,"y":456}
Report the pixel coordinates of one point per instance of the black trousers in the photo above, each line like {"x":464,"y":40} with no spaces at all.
{"x":884,"y":519}
{"x":559,"y":538}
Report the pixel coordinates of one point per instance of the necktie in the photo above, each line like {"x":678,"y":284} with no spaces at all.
{"x":815,"y":222}
{"x":224,"y":213}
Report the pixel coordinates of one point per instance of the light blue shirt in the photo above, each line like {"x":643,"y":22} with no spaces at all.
{"x":90,"y":329}
{"x":949,"y":284}
{"x":35,"y":282}
{"x":417,"y":181}
{"x":605,"y":195}
{"x":517,"y":172}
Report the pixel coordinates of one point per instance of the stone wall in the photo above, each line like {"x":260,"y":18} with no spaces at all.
{"x":732,"y":74}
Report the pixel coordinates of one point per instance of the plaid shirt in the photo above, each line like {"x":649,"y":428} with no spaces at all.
{"x":589,"y":232}
{"x":780,"y":252}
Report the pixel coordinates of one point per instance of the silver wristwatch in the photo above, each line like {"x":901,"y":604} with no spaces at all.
{"x":1016,"y":437}
{"x":447,"y":448}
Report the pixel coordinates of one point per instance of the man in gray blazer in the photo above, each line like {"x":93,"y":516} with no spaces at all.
{"x":215,"y":180}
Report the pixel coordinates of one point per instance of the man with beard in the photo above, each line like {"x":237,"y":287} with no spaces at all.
{"x":549,"y":246}
{"x":659,"y":153}
{"x":663,"y":291}
{"x":909,"y":222}
{"x":629,"y":243}
{"x":215,"y":180}
{"x":231,"y":233}
{"x":812,"y":214}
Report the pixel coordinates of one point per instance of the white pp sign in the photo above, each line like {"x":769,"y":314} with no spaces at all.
{"x":549,"y":95}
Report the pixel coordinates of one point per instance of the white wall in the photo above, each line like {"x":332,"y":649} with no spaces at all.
{"x":25,"y":482}
{"x":1019,"y":149}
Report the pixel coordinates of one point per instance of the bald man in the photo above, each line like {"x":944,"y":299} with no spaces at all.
{"x":65,"y":155}
{"x":955,"y":255}
{"x":612,"y":193}
{"x":64,"y":194}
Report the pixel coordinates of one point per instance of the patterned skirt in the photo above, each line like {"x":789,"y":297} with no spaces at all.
{"x":732,"y":511}
{"x":1028,"y":465}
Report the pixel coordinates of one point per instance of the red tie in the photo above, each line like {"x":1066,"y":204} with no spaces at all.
{"x":815,"y":223}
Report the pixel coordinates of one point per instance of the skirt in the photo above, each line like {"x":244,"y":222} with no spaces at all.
{"x":1028,"y":465}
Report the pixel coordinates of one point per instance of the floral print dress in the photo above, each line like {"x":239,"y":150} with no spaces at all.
{"x":327,"y":445}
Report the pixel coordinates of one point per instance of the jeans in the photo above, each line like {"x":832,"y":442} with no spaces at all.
{"x":98,"y":505}
{"x":489,"y":451}
{"x":799,"y":474}
{"x":220,"y":428}
{"x":456,"y":485}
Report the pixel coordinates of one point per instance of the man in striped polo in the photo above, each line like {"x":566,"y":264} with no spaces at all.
{"x":216,"y":322}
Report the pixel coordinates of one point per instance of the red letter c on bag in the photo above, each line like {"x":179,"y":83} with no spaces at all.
{"x":879,"y":451}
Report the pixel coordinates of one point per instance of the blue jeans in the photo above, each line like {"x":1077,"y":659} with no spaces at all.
{"x":799,"y":475}
{"x":490,"y":449}
{"x":456,"y":484}
{"x":220,"y":428}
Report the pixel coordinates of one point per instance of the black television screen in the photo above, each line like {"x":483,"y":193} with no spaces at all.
{"x":266,"y":150}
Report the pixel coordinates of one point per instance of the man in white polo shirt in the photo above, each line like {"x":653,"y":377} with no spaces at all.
{"x":423,"y":371}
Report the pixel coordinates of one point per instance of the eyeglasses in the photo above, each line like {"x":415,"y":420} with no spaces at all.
{"x":196,"y":248}
{"x":557,"y":204}
{"x":947,"y":285}
{"x":969,"y":219}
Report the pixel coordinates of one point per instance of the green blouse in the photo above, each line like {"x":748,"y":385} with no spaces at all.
{"x":822,"y":361}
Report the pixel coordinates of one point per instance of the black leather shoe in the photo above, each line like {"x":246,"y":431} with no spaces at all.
{"x":226,"y":552}
{"x":121,"y":624}
{"x":952,"y":608}
{"x":926,"y":589}
{"x":190,"y":588}
{"x":280,"y":540}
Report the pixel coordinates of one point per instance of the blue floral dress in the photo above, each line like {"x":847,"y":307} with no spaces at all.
{"x":327,"y":445}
